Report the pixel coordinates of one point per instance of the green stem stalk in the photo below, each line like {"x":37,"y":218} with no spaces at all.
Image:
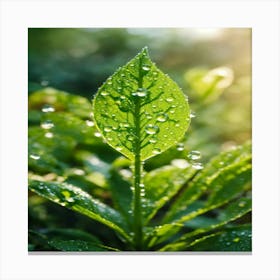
{"x":138,"y":231}
{"x":138,"y":235}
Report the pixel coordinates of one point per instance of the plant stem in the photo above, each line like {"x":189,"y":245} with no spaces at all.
{"x":137,"y":203}
{"x":138,"y":234}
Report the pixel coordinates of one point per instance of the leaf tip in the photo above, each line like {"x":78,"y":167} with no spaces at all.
{"x":145,"y":50}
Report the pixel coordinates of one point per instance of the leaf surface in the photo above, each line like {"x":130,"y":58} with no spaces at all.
{"x":161,"y":185}
{"x":139,"y":107}
{"x":121,"y":194}
{"x":233,"y":239}
{"x":230,"y":183}
{"x":76,"y":199}
{"x":78,"y":246}
{"x":232,"y":212}
{"x":228,"y":169}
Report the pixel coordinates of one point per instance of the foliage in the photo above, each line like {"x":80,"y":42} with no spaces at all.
{"x":172,"y":203}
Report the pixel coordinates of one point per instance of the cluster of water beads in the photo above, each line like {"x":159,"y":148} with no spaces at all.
{"x":67,"y":196}
{"x":192,"y":157}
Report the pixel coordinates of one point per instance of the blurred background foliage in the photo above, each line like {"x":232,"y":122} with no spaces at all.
{"x":65,"y":69}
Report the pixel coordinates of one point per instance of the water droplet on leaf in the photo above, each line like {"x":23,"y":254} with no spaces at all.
{"x":97,"y":134}
{"x":104,"y":93}
{"x":89,"y":123}
{"x":151,"y":129}
{"x":47,"y":124}
{"x":48,"y":109}
{"x":49,"y":135}
{"x":162,"y":117}
{"x":241,"y":204}
{"x":141,"y":92}
{"x":169,"y":99}
{"x":192,"y":115}
{"x":194,"y":155}
{"x":119,"y":147}
{"x":108,"y":128}
{"x":197,"y":165}
{"x":153,"y":140}
{"x":180,"y":163}
{"x":146,"y":68}
{"x":33,"y":156}
{"x":180,"y":147}
{"x":156,"y":151}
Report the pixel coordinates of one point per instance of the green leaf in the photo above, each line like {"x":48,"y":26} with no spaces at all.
{"x":139,"y":107}
{"x":220,"y":170}
{"x":233,"y":239}
{"x":78,"y":246}
{"x":230,"y":183}
{"x":50,"y":100}
{"x":161,"y":233}
{"x":76,"y":199}
{"x":48,"y":152}
{"x":232,"y":212}
{"x":69,"y":234}
{"x":161,"y":185}
{"x":208,"y":85}
{"x":121,"y":194}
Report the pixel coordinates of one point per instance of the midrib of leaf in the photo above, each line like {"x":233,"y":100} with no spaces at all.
{"x":137,"y":166}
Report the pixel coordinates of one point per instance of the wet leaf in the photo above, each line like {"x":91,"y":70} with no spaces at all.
{"x":121,"y":194}
{"x":49,"y":100}
{"x":232,"y":168}
{"x":161,"y":185}
{"x":208,"y":85}
{"x":76,"y":199}
{"x":230,"y":183}
{"x":141,"y":107}
{"x":77,"y":246}
{"x":69,"y":234}
{"x":161,"y":233}
{"x":237,"y":239}
{"x":232,"y":212}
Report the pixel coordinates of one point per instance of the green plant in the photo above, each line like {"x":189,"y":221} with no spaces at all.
{"x":141,"y":112}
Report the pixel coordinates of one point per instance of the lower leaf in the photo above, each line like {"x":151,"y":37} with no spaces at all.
{"x":76,"y":199}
